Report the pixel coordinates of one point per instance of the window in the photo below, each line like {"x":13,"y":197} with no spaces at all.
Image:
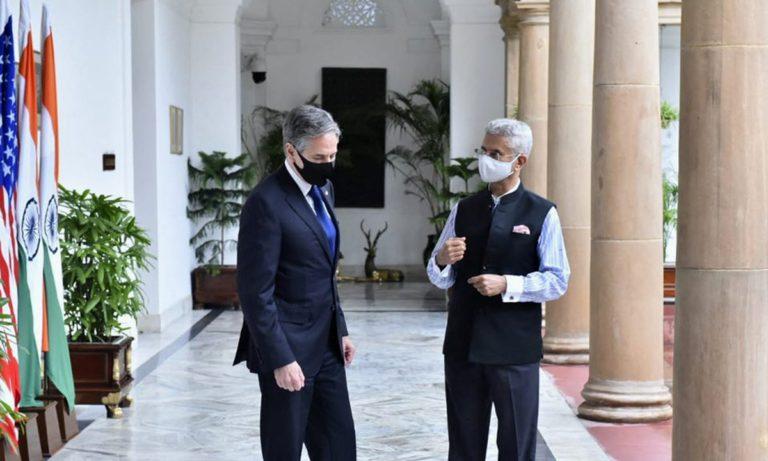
{"x":353,"y":13}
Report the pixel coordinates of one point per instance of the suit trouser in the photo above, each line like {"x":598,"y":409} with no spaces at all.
{"x":319,"y":416}
{"x":471,"y":388}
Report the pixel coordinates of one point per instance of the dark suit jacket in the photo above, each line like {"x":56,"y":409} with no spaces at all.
{"x":286,"y":279}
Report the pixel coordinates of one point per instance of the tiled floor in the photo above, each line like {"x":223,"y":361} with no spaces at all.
{"x":193,"y":405}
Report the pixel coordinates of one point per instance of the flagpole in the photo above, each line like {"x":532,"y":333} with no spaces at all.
{"x":58,"y":366}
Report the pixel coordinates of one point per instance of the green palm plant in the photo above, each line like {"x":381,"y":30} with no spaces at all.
{"x":266,"y":152}
{"x":670,"y":193}
{"x":669,"y":114}
{"x":7,"y":411}
{"x":424,"y":115}
{"x":216,"y":200}
{"x":103,"y":252}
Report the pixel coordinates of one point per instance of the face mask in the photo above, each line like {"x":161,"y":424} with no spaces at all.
{"x":316,"y":173}
{"x":495,"y":170}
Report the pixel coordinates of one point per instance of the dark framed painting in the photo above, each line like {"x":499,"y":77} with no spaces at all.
{"x":356,"y":98}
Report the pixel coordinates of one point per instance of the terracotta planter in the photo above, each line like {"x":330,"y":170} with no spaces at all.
{"x":218,"y":290}
{"x":102,"y":373}
{"x":669,"y":281}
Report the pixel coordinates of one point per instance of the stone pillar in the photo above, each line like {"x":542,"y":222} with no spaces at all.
{"x":442,"y":30}
{"x":476,"y":71}
{"x":254,"y":36}
{"x":508,"y":24}
{"x":568,"y":169}
{"x":626,"y":373}
{"x":721,"y":355}
{"x":215,"y":78}
{"x":532,"y":109}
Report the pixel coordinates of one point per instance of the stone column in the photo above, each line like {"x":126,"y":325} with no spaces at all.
{"x":215,"y":77}
{"x":721,"y":354}
{"x":476,"y":71}
{"x":442,"y":30}
{"x":568,"y":169}
{"x":532,"y":109}
{"x":508,"y":24}
{"x":626,"y":373}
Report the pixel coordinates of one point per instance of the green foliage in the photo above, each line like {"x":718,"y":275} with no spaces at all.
{"x":7,"y":333}
{"x":216,"y":200}
{"x":103,"y":251}
{"x":266,"y":152}
{"x":669,"y":114}
{"x":424,"y":115}
{"x":670,"y":194}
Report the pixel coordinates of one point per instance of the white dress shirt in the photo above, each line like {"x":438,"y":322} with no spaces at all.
{"x":548,"y":283}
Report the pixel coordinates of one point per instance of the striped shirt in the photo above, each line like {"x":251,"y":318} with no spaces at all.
{"x":547,"y":284}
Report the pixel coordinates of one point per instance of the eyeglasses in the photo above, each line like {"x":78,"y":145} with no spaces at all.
{"x":495,"y":154}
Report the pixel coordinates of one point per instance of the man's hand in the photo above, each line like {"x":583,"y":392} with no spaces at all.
{"x":349,"y":351}
{"x":290,"y":377}
{"x":452,"y":251}
{"x":488,"y":284}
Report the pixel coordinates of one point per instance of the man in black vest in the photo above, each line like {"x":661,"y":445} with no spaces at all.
{"x":294,"y":333}
{"x":503,"y":253}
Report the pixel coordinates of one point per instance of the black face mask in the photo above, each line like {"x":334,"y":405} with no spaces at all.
{"x":316,"y":173}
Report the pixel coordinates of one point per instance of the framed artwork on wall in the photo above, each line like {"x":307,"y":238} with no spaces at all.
{"x":177,"y":130}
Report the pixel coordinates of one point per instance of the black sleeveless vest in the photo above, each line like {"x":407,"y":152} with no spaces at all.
{"x":484,"y":329}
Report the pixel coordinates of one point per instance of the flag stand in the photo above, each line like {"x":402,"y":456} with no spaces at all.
{"x":47,"y":427}
{"x":68,"y":427}
{"x":47,"y":420}
{"x":30,"y":448}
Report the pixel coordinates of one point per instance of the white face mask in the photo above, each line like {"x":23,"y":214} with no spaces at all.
{"x":495,"y":170}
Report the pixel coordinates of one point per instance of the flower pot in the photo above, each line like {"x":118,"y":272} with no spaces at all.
{"x":216,"y":288}
{"x":669,"y":281}
{"x":102,"y":373}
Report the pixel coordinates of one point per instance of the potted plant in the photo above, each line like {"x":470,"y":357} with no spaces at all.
{"x":670,"y":193}
{"x":370,"y":250}
{"x":424,"y":114}
{"x":669,"y":114}
{"x":216,"y":200}
{"x":103,"y":253}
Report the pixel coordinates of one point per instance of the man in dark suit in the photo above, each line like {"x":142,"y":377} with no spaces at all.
{"x":294,"y":334}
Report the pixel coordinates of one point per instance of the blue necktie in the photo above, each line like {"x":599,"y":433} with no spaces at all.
{"x":322,"y":217}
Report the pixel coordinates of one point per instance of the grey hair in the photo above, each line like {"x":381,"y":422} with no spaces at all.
{"x":306,"y":122}
{"x":518,"y":134}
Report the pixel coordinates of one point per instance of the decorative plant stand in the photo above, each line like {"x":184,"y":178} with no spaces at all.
{"x":102,"y":373}
{"x":215,"y":290}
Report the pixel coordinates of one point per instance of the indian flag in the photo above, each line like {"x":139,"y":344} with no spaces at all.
{"x":58,"y":368}
{"x":31,"y":311}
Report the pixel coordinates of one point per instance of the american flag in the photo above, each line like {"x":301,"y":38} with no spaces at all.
{"x":10,"y":391}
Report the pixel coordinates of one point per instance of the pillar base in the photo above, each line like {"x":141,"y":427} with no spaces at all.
{"x":566,"y":351}
{"x":625,"y":401}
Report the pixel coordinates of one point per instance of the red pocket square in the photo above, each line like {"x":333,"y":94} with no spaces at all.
{"x":521,"y":229}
